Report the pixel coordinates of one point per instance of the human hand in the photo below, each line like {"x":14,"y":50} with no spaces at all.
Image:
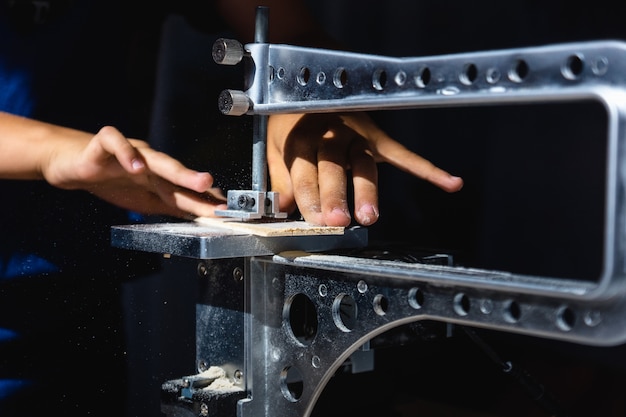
{"x":309,"y":156}
{"x":131,"y":175}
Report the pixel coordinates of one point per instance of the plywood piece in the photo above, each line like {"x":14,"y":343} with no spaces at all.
{"x":270,"y":227}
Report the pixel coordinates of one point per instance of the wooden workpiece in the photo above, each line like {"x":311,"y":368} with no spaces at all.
{"x":269,"y":227}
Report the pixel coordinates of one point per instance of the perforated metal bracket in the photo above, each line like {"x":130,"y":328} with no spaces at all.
{"x":288,"y":79}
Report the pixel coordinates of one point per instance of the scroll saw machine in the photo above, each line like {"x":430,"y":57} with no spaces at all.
{"x":277,"y":316}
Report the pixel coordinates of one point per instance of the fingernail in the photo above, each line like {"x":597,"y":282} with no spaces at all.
{"x":367,"y":214}
{"x":137,"y":164}
{"x":338,"y":216}
{"x":458,"y":180}
{"x":340,"y":211}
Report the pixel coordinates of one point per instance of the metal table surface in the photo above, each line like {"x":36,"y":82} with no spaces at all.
{"x":194,"y":240}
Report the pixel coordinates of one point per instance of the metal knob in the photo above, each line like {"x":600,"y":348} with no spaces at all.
{"x":227,"y":51}
{"x":233,"y":102}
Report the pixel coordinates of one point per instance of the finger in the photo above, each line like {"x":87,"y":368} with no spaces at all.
{"x":304,"y":177}
{"x":162,"y":200}
{"x":182,"y":202}
{"x":306,"y":191}
{"x":388,"y":150}
{"x":135,"y":160}
{"x":402,"y":158}
{"x":173,"y":171}
{"x":332,"y":162}
{"x":216,"y":193}
{"x":280,"y":180}
{"x":365,"y":180}
{"x":113,"y":142}
{"x":196,"y":205}
{"x":140,"y":200}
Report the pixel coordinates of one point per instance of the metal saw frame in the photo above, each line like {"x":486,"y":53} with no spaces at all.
{"x":295,"y":312}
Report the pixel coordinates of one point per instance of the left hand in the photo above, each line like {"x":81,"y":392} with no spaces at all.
{"x":310,"y":154}
{"x":130,"y":174}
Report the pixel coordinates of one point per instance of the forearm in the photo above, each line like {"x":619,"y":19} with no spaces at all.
{"x":27,"y":146}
